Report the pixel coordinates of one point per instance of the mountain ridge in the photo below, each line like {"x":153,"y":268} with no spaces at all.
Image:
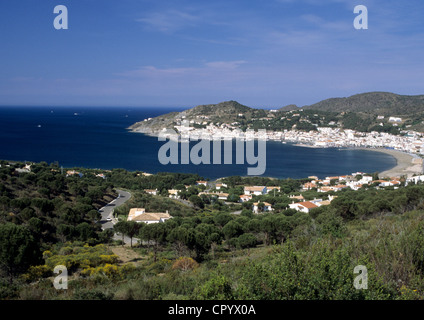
{"x":377,"y":102}
{"x":363,"y":112}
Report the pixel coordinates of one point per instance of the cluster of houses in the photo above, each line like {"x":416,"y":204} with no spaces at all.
{"x":355,"y":181}
{"x":174,"y":193}
{"x":250,"y":191}
{"x":298,"y":202}
{"x":329,"y":136}
{"x":410,"y":142}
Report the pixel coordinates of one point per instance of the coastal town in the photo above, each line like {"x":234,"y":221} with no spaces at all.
{"x":407,"y":146}
{"x":256,"y":198}
{"x":324,"y":137}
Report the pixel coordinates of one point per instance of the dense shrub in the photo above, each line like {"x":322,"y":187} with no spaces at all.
{"x":185,"y":264}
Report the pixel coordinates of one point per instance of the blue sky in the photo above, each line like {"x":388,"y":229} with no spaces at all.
{"x":183,"y":53}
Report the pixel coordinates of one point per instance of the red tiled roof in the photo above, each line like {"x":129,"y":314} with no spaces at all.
{"x":308,"y":204}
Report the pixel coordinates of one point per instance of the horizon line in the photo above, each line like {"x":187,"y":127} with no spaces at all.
{"x":191,"y":105}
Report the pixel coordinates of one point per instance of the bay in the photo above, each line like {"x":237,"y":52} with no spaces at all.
{"x":97,"y":137}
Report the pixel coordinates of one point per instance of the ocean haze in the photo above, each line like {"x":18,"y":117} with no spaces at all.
{"x":96,"y":137}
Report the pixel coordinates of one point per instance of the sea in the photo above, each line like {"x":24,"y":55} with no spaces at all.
{"x":97,"y":137}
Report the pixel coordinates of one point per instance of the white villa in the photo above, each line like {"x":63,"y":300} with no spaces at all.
{"x":218,"y":186}
{"x":271,"y":189}
{"x":266,"y":208}
{"x":304,"y":206}
{"x":245,"y":198}
{"x":255,"y":190}
{"x":415,"y":179}
{"x":173,"y":193}
{"x":220,"y":195}
{"x":140,"y":215}
{"x":151,"y":191}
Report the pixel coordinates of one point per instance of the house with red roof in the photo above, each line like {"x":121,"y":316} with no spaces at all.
{"x":304,"y":206}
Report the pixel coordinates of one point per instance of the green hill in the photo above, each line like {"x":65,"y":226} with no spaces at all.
{"x":377,"y":103}
{"x":290,"y":107}
{"x":200,"y":116}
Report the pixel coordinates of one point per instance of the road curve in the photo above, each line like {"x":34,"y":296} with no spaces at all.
{"x":107,"y":210}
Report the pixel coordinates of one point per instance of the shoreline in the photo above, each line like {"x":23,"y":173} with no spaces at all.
{"x":406,"y":164}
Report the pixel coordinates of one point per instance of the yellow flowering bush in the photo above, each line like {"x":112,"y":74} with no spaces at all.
{"x":110,"y":258}
{"x":47,"y":254}
{"x":37,"y":272}
{"x":109,"y":270}
{"x":410,"y":294}
{"x":80,"y":257}
{"x":91,"y":260}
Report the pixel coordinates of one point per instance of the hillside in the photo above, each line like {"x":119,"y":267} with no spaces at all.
{"x":368,"y":106}
{"x":206,"y":251}
{"x":362,"y":112}
{"x":290,"y":107}
{"x":224,"y":112}
{"x":378,"y":103}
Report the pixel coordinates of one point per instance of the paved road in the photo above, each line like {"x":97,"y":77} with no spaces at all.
{"x":108,"y":220}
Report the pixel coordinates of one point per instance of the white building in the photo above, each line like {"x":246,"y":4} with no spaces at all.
{"x":174,"y":194}
{"x":255,"y":190}
{"x":271,"y":189}
{"x":218,"y":186}
{"x":415,"y":179}
{"x":266,"y":207}
{"x":151,"y":191}
{"x":304,"y":206}
{"x":245,"y":198}
{"x":140,"y":215}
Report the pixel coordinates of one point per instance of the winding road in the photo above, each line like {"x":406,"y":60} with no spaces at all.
{"x":108,"y":220}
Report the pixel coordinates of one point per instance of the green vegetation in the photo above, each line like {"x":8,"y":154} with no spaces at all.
{"x":377,"y":103}
{"x":50,"y":205}
{"x":210,"y":249}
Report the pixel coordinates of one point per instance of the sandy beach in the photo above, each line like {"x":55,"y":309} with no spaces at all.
{"x":407,"y":164}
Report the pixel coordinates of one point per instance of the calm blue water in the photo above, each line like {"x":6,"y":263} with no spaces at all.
{"x":97,"y":138}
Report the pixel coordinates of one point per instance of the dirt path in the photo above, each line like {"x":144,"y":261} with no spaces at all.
{"x":127,"y":255}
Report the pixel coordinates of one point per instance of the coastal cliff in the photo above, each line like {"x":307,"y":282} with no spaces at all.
{"x":198,"y":117}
